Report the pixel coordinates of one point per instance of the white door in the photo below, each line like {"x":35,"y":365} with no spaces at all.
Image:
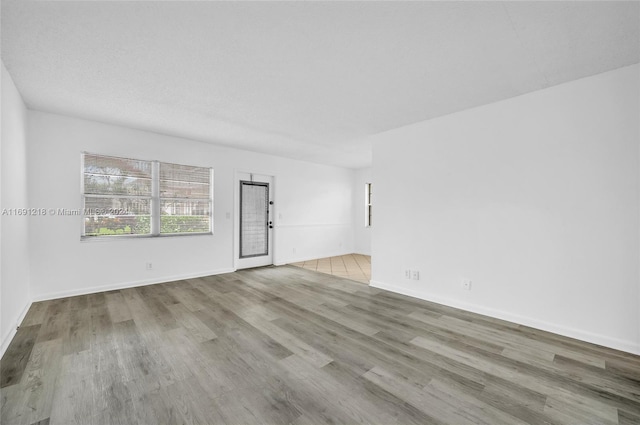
{"x":255,"y":220}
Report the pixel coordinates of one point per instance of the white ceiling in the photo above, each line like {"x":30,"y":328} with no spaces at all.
{"x":307,"y":80}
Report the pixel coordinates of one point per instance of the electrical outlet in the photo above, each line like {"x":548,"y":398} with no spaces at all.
{"x":149,"y":266}
{"x":407,"y":274}
{"x":415,"y":275}
{"x":466,"y":284}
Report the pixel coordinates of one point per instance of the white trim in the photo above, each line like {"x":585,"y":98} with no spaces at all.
{"x":270,"y":258}
{"x":280,"y":262}
{"x":154,"y":207}
{"x":123,"y":285}
{"x":367,"y":204}
{"x":82,"y":194}
{"x":604,"y":340}
{"x":6,"y":340}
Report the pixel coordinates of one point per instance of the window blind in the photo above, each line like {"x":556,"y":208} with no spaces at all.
{"x":254,"y":214}
{"x":185,"y":203}
{"x":123,"y":196}
{"x":117,"y":195}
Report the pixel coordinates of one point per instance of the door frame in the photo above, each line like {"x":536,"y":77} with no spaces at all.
{"x":242,"y":175}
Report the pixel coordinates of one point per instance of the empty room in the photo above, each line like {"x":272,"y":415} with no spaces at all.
{"x":420,"y":212}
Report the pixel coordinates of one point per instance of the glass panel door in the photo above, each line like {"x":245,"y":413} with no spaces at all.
{"x":254,"y":219}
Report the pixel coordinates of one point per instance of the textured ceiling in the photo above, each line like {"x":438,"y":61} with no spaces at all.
{"x":307,"y":80}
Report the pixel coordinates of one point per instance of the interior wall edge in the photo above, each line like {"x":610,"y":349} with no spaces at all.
{"x":15,"y":275}
{"x":6,"y":339}
{"x":585,"y":336}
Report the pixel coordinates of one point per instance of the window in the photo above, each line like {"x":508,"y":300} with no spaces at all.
{"x":185,"y":199}
{"x":123,"y":196}
{"x":367,"y":204}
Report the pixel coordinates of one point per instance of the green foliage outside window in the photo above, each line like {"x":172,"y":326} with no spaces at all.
{"x":141,"y":225}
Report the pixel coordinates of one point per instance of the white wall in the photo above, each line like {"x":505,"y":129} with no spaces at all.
{"x":362,"y":234}
{"x":14,"y":230}
{"x":535,"y":199}
{"x":312,"y":208}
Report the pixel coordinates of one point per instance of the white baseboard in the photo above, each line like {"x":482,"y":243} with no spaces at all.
{"x":280,"y":262}
{"x":6,"y":339}
{"x":604,"y":340}
{"x":123,"y":285}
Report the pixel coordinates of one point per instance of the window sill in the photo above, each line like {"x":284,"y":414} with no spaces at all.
{"x":131,"y":237}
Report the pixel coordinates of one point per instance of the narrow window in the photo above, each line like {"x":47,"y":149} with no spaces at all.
{"x":367,"y":204}
{"x":123,"y":196}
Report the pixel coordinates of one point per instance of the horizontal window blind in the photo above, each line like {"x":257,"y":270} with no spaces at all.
{"x":117,"y":195}
{"x":254,"y":215}
{"x":116,"y":176}
{"x":185,"y":203}
{"x":123,"y":196}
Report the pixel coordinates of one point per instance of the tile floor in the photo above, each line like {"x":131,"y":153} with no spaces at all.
{"x":353,"y":266}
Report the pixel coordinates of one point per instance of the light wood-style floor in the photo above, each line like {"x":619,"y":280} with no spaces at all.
{"x":284,"y":345}
{"x":352,"y":266}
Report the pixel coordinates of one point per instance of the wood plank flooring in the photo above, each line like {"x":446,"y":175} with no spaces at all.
{"x":284,"y":345}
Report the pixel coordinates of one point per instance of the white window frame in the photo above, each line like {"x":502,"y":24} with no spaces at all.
{"x":155,"y":200}
{"x":367,"y":204}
